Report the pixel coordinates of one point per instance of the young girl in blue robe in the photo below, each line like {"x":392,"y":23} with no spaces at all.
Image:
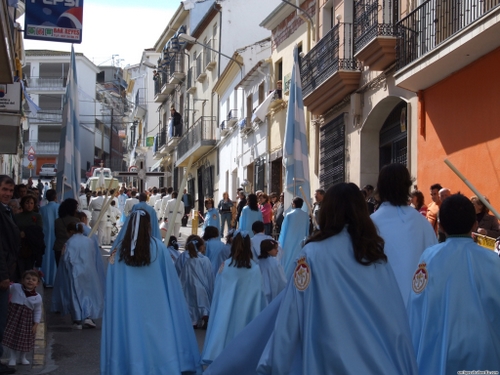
{"x":197,"y":281}
{"x":238,"y":297}
{"x":146,"y":327}
{"x":216,"y":250}
{"x":78,"y":286}
{"x":273,"y":275}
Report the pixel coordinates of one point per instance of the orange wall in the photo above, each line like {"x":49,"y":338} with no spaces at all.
{"x":462,"y":115}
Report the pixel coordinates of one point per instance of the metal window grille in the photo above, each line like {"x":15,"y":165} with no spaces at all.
{"x":332,"y":153}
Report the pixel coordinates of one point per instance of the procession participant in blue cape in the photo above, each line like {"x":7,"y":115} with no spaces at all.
{"x":197,"y":281}
{"x":294,"y":230}
{"x":78,"y":287}
{"x":49,"y":216}
{"x":212,"y":216}
{"x":250,"y":214}
{"x":258,"y":229}
{"x":238,"y":297}
{"x":454,"y":301}
{"x":405,"y":231}
{"x":142,"y":205}
{"x":342,"y":311}
{"x":216,"y":250}
{"x":142,"y":287}
{"x":84,"y":216}
{"x":273,"y":275}
{"x":173,"y":247}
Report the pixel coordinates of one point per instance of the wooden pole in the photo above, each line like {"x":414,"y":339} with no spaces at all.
{"x":472,"y":187}
{"x":178,"y":201}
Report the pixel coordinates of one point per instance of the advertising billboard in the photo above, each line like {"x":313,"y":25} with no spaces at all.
{"x":54,"y":20}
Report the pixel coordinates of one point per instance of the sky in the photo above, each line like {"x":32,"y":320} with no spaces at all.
{"x":116,"y":27}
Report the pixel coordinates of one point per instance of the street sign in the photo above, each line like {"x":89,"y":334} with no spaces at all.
{"x":30,"y":165}
{"x":133,"y":168}
{"x":31,"y":151}
{"x":31,"y":157}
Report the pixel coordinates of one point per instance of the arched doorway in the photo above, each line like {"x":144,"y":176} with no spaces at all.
{"x":382,"y":139}
{"x":393,"y":144}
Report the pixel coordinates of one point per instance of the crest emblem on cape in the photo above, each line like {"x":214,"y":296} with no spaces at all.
{"x":420,"y":278}
{"x":302,"y":274}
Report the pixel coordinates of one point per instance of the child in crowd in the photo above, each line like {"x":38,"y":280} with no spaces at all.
{"x":272,"y":270}
{"x":216,"y":251}
{"x":238,"y":297}
{"x":78,"y":288}
{"x":25,"y":311}
{"x":173,"y":247}
{"x":197,"y":281}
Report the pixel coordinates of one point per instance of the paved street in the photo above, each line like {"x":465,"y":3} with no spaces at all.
{"x":69,"y":351}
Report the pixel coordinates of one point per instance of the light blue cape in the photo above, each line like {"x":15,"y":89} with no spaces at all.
{"x":339,"y":317}
{"x":49,"y":214}
{"x":78,"y":288}
{"x":238,"y":299}
{"x":146,"y":326}
{"x":455,"y":318}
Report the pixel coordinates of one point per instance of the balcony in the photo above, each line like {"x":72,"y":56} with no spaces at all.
{"x":232,"y":117}
{"x":190,"y":84}
{"x":167,"y":79}
{"x":140,"y":104}
{"x":200,"y":73}
{"x":166,"y":143}
{"x":330,"y":71}
{"x":439,"y":38}
{"x":43,"y":148}
{"x":47,"y":117}
{"x":45,"y":84}
{"x":209,"y":56}
{"x":199,"y":139}
{"x":375,"y":32}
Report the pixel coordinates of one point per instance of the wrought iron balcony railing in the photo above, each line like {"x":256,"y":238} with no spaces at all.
{"x":433,"y":22}
{"x":42,"y":83}
{"x":162,"y":138}
{"x":202,"y":130}
{"x":161,"y":78}
{"x":374,"y":18}
{"x":332,"y":53}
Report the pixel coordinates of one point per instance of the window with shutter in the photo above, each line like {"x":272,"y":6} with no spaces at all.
{"x":332,"y":153}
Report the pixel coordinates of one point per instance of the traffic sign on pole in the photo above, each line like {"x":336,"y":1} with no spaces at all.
{"x":31,"y":157}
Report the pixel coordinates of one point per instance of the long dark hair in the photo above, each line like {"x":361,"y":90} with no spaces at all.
{"x":68,"y":207}
{"x":192,"y":247}
{"x":252,"y":202}
{"x":142,"y":252}
{"x":241,"y":251}
{"x":343,"y":205}
{"x":210,"y":232}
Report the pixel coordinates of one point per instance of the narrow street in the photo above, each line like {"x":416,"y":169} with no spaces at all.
{"x":68,"y":351}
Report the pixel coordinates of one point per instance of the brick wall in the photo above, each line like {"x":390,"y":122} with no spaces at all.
{"x":291,"y":23}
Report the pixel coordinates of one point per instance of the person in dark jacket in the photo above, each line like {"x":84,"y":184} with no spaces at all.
{"x":10,"y":242}
{"x":177,"y":122}
{"x":242,"y":203}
